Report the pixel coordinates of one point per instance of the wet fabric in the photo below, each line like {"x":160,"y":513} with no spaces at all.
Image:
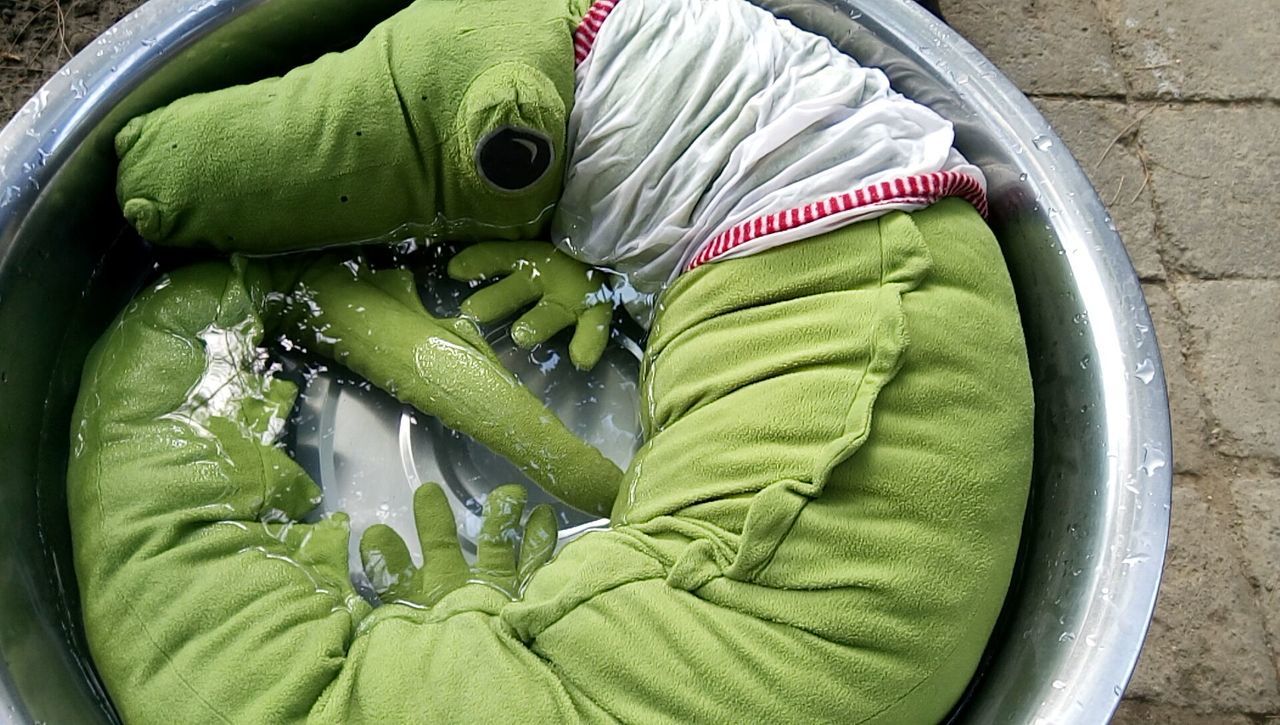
{"x":821,"y":523}
{"x":755,"y":117}
{"x":820,"y":526}
{"x":386,"y":559}
{"x":567,"y":293}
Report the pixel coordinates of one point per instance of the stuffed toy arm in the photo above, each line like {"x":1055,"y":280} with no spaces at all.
{"x":390,"y":568}
{"x":567,"y":293}
{"x":374,"y":323}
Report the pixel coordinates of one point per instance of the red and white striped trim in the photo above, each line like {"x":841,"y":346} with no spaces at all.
{"x":923,"y":189}
{"x":585,"y":36}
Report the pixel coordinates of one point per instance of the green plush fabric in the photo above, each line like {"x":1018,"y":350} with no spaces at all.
{"x":567,"y":293}
{"x":820,"y":526}
{"x":354,"y":145}
{"x":374,"y":323}
{"x":397,"y":580}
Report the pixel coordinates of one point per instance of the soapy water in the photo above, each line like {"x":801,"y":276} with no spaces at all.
{"x":369,"y":452}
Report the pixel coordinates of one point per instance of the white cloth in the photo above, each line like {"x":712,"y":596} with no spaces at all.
{"x":691,"y":117}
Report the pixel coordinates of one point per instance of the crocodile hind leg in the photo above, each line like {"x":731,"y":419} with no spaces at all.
{"x":204,"y":598}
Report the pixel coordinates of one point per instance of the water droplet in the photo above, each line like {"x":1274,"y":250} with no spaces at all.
{"x":1066,"y":637}
{"x":78,"y":89}
{"x":1022,"y":177}
{"x":1146,"y":371}
{"x":1059,"y":684}
{"x":1084,"y":362}
{"x":1153,"y":459}
{"x":1043,"y":143}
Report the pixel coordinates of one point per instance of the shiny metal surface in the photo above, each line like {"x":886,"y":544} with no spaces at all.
{"x":1097,"y":526}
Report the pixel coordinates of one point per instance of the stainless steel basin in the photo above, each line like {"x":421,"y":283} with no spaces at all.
{"x":1096,"y":528}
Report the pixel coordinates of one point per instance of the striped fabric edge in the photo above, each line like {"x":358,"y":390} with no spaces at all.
{"x":922,"y":189}
{"x":585,"y":36}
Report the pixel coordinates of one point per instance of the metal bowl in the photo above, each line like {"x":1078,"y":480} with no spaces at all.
{"x":1097,"y":524}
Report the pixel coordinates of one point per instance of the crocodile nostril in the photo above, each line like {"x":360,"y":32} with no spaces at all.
{"x":513,"y":159}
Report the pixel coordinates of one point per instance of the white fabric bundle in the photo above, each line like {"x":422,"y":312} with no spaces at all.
{"x":692,"y":118}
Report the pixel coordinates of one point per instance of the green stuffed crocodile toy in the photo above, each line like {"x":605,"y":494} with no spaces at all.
{"x":822,"y":522}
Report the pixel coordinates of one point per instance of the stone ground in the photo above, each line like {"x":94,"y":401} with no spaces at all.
{"x":1173,"y":107}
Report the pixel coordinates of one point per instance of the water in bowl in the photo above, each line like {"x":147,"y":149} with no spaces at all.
{"x":369,"y":452}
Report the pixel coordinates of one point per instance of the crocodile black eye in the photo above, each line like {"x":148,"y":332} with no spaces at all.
{"x":512,"y":159}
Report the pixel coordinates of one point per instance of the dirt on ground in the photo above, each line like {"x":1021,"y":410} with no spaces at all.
{"x":38,"y":36}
